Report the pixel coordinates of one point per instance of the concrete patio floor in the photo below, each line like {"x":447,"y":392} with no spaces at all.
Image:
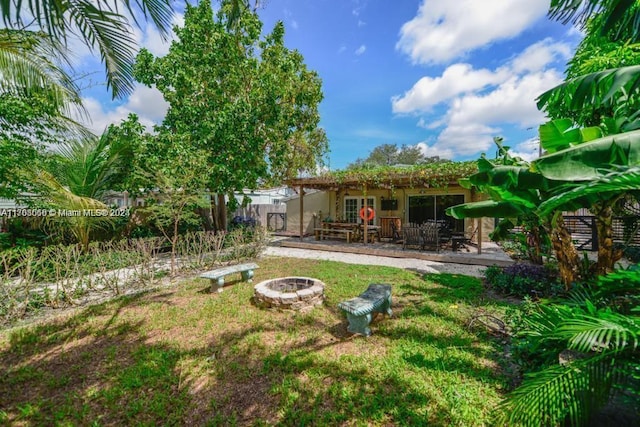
{"x":491,"y":254}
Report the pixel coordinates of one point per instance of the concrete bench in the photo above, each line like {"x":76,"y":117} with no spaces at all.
{"x":218,"y":275}
{"x":376,"y":299}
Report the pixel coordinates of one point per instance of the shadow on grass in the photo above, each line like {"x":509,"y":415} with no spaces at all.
{"x":110,"y":366}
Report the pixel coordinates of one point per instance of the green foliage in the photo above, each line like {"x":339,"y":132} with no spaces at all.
{"x":100,"y":26}
{"x":390,"y":154}
{"x":594,"y":337}
{"x":560,"y":134}
{"x":437,"y":175}
{"x":615,"y":19}
{"x":252,"y":121}
{"x":523,"y":279}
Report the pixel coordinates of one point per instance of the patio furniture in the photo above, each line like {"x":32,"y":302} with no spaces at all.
{"x":431,"y":236}
{"x":359,"y":310}
{"x":373,"y":233}
{"x":463,"y":240}
{"x":390,"y":227}
{"x":395,"y":232}
{"x":412,"y":236}
{"x":217,"y":276}
{"x":336,"y":229}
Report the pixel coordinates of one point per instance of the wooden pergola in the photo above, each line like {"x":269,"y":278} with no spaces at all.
{"x":430,"y":177}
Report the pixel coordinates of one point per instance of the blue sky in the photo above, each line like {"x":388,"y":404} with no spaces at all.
{"x":447,"y":75}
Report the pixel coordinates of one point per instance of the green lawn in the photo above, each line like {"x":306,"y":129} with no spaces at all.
{"x":186,"y":356}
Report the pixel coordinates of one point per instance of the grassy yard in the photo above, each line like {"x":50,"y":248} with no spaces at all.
{"x":186,"y":356}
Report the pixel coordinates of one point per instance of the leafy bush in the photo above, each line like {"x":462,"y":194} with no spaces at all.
{"x":581,"y":354}
{"x":524,"y":279}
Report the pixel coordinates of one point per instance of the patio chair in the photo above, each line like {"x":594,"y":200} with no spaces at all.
{"x":431,"y":236}
{"x":395,"y":233}
{"x":412,"y":236}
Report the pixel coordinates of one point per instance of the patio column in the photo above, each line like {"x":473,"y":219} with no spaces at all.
{"x":366,"y":210}
{"x":301,"y":212}
{"x":480,"y":236}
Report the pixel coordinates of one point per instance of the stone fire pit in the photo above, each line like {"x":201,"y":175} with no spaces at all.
{"x":289,"y":293}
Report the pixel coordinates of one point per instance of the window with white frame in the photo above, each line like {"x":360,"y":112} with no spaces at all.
{"x":352,"y":206}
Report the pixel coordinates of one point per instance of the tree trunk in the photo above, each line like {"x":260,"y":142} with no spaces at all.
{"x":222,"y":213}
{"x":604,"y":226}
{"x":565,"y":251}
{"x":533,"y":241}
{"x":219,"y":212}
{"x":206,"y":217}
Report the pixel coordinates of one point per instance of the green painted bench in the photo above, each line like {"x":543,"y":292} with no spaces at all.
{"x":376,"y":299}
{"x":218,"y":275}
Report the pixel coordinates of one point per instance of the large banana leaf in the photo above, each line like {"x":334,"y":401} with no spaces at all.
{"x":623,"y":180}
{"x":587,"y":161}
{"x":486,"y":208}
{"x":561,"y":134}
{"x":595,"y":89}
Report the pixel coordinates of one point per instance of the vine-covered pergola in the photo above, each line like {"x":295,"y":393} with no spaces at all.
{"x":430,"y":175}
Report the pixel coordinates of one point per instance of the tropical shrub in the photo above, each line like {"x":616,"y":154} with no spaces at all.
{"x":584,"y":355}
{"x":524,"y":279}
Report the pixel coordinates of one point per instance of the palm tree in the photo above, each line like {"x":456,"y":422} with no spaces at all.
{"x":33,"y":67}
{"x":103,"y":25}
{"x":80,"y":173}
{"x":618,"y":19}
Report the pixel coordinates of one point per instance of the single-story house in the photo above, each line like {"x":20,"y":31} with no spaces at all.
{"x":409,"y":194}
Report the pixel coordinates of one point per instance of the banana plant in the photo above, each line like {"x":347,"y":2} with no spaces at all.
{"x":601,"y":164}
{"x":516,"y":191}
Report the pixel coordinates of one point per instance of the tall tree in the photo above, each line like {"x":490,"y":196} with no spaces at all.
{"x":390,"y":154}
{"x":248,"y":104}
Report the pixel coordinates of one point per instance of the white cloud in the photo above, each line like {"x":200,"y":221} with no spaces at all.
{"x":342,"y":48}
{"x":479,"y":102}
{"x":432,"y":151}
{"x":511,"y":102}
{"x":361,"y":23}
{"x":294,"y":24}
{"x":151,"y":39}
{"x":466,"y":139}
{"x":474,"y":119}
{"x":443,"y":30}
{"x":456,"y":79}
{"x":537,"y":56}
{"x":527,"y":150}
{"x":147,"y":103}
{"x":359,"y":51}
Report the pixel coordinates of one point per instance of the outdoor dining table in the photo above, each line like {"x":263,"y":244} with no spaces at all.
{"x":356,"y":229}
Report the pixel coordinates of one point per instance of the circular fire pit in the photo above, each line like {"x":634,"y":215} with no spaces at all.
{"x":289,"y":293}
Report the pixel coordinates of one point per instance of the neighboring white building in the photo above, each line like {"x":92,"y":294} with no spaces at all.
{"x":266,"y":196}
{"x":266,"y":207}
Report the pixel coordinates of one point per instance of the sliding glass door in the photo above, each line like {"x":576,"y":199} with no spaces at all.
{"x":428,"y":208}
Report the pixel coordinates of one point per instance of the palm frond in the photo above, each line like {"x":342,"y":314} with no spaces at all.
{"x":560,"y":392}
{"x":610,"y":331}
{"x":100,"y":24}
{"x":111,"y":34}
{"x":31,"y":63}
{"x":617,"y":18}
